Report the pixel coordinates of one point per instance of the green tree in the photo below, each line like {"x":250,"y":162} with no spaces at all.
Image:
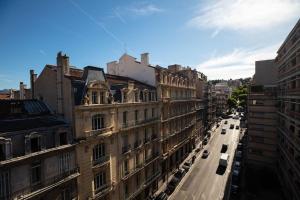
{"x":232,"y":103}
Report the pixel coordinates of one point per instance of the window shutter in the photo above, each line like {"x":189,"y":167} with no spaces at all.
{"x":8,"y":149}
{"x":27,"y":144}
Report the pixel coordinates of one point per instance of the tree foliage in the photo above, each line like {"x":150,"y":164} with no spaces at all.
{"x":240,"y":97}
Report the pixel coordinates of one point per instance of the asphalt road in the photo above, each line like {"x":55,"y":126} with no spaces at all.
{"x":202,"y":182}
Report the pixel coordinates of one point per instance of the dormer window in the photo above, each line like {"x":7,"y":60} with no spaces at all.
{"x":63,"y":138}
{"x":94,"y":97}
{"x":102,"y":96}
{"x":34,"y":142}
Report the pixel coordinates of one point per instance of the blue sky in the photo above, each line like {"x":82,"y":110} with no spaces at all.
{"x":220,"y":38}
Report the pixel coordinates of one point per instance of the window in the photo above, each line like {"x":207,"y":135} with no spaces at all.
{"x":145,"y":114}
{"x":125,"y":117}
{"x":98,"y":152}
{"x":35,"y":143}
{"x":102,"y":95}
{"x":63,"y":138}
{"x":126,"y":190}
{"x":2,"y":152}
{"x":99,"y":181}
{"x":94,"y":97}
{"x":97,"y":122}
{"x":4,"y":185}
{"x":153,"y":112}
{"x":36,"y":173}
{"x":126,"y":166}
{"x":136,"y":115}
{"x":137,"y":179}
{"x":64,"y":163}
{"x":65,"y":194}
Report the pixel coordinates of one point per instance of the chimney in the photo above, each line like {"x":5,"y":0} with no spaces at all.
{"x":22,"y":90}
{"x":63,"y":62}
{"x":145,"y":58}
{"x":32,"y":80}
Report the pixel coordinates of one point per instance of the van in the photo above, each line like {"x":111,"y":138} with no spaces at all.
{"x":224,"y":160}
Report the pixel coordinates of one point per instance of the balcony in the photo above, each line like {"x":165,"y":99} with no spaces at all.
{"x":151,"y":158}
{"x":137,"y":144}
{"x":100,"y":132}
{"x":134,"y":124}
{"x":103,"y":190}
{"x":46,"y":185}
{"x":126,"y":149}
{"x":151,"y":178}
{"x":146,"y":140}
{"x":154,"y":137}
{"x":101,"y":160}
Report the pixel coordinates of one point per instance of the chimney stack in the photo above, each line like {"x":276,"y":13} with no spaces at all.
{"x":145,"y":58}
{"x":22,"y":90}
{"x":63,"y":62}
{"x":32,"y":80}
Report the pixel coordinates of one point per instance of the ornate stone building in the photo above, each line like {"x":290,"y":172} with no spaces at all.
{"x":37,"y":153}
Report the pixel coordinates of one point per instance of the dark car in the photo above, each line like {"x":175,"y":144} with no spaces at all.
{"x":226,"y":122}
{"x":239,"y":155}
{"x":223,"y":131}
{"x":231,"y":126}
{"x":240,"y":146}
{"x":162,"y":196}
{"x":205,"y":141}
{"x":205,"y":154}
{"x":172,"y":185}
{"x":187,"y":165}
{"x":237,"y":165}
{"x":237,"y":127}
{"x":179,"y":173}
{"x":224,"y":148}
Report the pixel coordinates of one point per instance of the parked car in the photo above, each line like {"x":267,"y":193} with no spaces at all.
{"x":224,"y":148}
{"x":172,"y":185}
{"x":223,"y":131}
{"x":205,"y":141}
{"x":239,"y":155}
{"x":240,"y":146}
{"x":234,"y":189}
{"x":162,"y":196}
{"x":231,"y":126}
{"x":237,"y":127}
{"x":179,"y":173}
{"x":205,"y":153}
{"x":237,"y":165}
{"x":197,"y":150}
{"x":187,"y":165}
{"x":226,"y":122}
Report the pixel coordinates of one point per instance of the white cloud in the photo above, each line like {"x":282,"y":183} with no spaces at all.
{"x":145,"y":9}
{"x":245,"y":14}
{"x":236,"y":64}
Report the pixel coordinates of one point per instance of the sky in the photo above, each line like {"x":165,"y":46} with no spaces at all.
{"x":221,"y":38}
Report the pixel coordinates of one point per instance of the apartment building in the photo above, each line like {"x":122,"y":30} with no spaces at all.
{"x":262,"y":116}
{"x":288,"y":62}
{"x":210,"y":106}
{"x":37,"y":153}
{"x":176,"y":93}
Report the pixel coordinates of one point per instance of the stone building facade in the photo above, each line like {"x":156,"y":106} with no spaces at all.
{"x":37,"y":153}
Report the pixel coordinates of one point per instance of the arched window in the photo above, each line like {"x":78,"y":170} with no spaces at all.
{"x":97,"y":122}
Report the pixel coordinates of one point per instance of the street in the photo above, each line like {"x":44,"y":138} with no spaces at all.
{"x":203,"y":182}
